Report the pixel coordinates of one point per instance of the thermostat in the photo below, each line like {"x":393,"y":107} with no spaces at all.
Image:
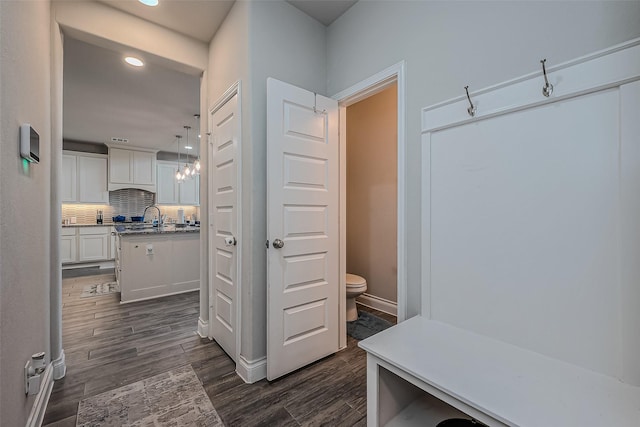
{"x":29,"y":143}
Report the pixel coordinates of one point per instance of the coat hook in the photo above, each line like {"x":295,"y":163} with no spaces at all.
{"x":547,"y":89}
{"x":315,"y":105}
{"x":472,"y":109}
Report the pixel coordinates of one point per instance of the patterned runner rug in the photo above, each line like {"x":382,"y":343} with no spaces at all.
{"x":98,"y":289}
{"x":173,"y":398}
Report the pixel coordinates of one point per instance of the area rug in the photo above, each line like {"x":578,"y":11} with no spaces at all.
{"x":98,"y":289}
{"x":366,"y":325}
{"x":173,"y":398}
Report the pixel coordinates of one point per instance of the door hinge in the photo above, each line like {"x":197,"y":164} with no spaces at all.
{"x":267,"y":244}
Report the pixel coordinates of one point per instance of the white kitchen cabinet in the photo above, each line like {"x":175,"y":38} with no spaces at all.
{"x":84,"y":178}
{"x":172,"y":193}
{"x":86,"y":244}
{"x":167,"y":184}
{"x":144,"y":168}
{"x":69,"y":188}
{"x":189,"y":191}
{"x":92,"y":179}
{"x":93,"y":243}
{"x":120,"y":166}
{"x":68,"y":245}
{"x":132,"y":169}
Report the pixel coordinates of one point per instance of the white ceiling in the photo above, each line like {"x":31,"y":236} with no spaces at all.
{"x":105,"y":98}
{"x":325,"y":11}
{"x":199,"y":19}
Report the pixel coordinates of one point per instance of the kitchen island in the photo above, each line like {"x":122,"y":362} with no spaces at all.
{"x":152,"y":262}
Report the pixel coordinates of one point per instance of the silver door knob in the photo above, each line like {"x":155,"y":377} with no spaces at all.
{"x":230,"y":241}
{"x":278,"y":244}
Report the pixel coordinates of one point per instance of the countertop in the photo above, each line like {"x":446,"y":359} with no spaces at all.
{"x":106,"y":224}
{"x":127,"y":230}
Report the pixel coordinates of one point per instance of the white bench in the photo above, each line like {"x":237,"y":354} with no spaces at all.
{"x":421,"y":372}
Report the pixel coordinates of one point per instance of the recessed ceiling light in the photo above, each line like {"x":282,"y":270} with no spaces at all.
{"x":149,"y":2}
{"x":188,"y":147}
{"x":132,"y":60}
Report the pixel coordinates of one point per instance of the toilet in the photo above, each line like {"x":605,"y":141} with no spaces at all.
{"x":356,"y":286}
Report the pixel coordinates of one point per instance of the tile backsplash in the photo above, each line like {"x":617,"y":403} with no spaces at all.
{"x":128,"y":202}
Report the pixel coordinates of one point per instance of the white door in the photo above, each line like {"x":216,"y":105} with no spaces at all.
{"x":302,"y":227}
{"x":223,"y":232}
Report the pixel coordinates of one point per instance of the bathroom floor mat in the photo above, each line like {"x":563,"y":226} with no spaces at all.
{"x":366,"y":325}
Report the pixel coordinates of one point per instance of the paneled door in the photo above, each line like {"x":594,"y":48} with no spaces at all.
{"x":302,"y":227}
{"x":223,"y":223}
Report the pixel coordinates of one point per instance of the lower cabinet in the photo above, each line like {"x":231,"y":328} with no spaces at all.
{"x":68,"y":245}
{"x":93,"y":243}
{"x":85,"y":244}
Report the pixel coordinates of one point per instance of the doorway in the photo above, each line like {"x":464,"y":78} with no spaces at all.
{"x":367,"y":88}
{"x":371,"y":197}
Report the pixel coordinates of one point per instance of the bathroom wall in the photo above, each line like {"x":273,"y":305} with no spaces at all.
{"x":372,"y":185}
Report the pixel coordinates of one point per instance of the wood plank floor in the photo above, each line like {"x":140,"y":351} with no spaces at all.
{"x":108,"y":345}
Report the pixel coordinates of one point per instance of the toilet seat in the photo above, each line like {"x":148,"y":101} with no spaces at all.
{"x":355,"y":280}
{"x":356,"y":283}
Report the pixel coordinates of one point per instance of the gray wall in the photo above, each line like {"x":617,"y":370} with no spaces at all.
{"x":447,"y":45}
{"x":229,"y":63}
{"x":259,"y":40}
{"x":288,"y":45}
{"x":25,"y":97}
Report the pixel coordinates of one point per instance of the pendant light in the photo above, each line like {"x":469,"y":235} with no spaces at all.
{"x":179,"y":176}
{"x":196,"y":164}
{"x":186,"y":172}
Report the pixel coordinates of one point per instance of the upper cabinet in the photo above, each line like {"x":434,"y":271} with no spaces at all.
{"x":84,"y":178}
{"x":172,"y":193}
{"x":132,"y":169}
{"x":69,"y":191}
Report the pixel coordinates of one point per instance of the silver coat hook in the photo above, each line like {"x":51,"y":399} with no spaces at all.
{"x":547,"y":89}
{"x":472,"y":109}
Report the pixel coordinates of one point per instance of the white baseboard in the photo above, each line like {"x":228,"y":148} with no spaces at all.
{"x":36,"y":416}
{"x":251,"y":371}
{"x":203,"y":328}
{"x":378,"y":303}
{"x":59,"y":366}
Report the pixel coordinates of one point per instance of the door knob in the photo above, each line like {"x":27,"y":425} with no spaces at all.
{"x":278,"y":244}
{"x":230,"y":241}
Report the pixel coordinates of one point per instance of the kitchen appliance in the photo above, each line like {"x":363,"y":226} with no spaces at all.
{"x":180,"y":216}
{"x":99,"y":217}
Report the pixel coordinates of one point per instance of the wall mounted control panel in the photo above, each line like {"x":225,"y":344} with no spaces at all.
{"x":29,"y":143}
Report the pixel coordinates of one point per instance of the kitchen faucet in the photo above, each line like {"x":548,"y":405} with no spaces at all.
{"x":159,"y":214}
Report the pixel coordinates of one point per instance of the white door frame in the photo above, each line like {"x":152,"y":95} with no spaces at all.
{"x":349,"y":96}
{"x":234,"y":89}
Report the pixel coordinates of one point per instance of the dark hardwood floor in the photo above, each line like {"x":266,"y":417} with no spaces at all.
{"x":108,"y":345}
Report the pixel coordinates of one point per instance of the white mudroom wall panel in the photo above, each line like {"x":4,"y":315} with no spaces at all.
{"x":528,"y":214}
